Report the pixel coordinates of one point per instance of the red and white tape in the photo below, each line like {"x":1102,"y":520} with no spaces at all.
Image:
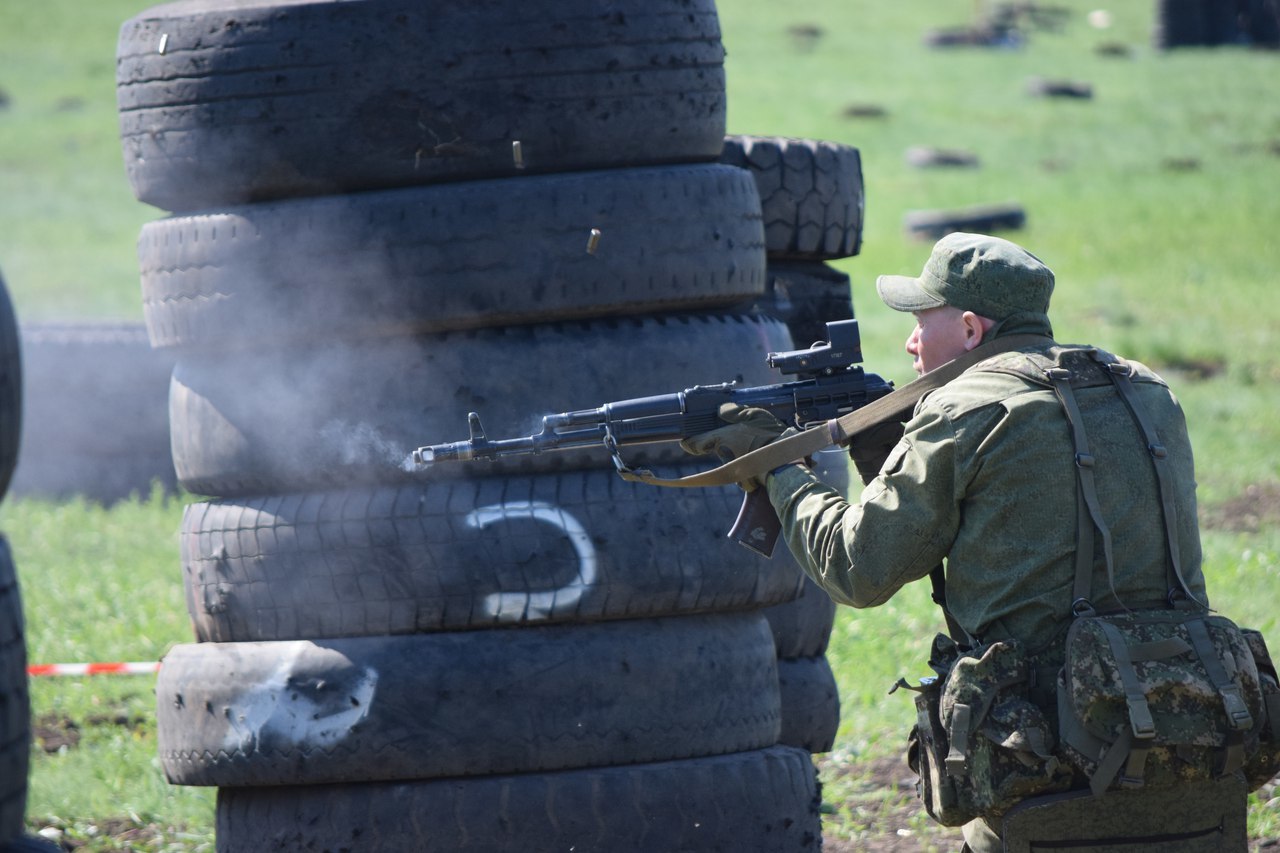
{"x":119,"y":668}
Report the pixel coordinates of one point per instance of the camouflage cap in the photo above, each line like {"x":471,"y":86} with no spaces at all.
{"x":975,"y":272}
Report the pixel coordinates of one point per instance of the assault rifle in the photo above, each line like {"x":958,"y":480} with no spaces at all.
{"x":829,"y":384}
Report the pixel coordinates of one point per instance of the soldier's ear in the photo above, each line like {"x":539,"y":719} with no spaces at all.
{"x":975,"y":329}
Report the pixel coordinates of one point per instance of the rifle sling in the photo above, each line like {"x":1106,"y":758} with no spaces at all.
{"x":893,"y":406}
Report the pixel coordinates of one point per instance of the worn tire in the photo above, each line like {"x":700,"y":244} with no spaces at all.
{"x":308,"y":418}
{"x":1263,"y":23}
{"x":225,"y":101}
{"x":526,"y":550}
{"x":811,"y":194}
{"x":763,"y":801}
{"x":95,"y":421}
{"x":805,"y":296}
{"x":979,"y":218}
{"x":1179,"y":23}
{"x":10,"y":389}
{"x":458,"y":256}
{"x":470,"y":703}
{"x":802,"y":627}
{"x":15,"y":704}
{"x":928,"y":157}
{"x":810,"y":703}
{"x":1221,"y":22}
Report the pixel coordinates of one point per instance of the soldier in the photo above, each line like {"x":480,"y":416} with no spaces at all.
{"x":983,"y":476}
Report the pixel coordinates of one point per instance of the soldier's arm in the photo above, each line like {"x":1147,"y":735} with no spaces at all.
{"x":900,"y":528}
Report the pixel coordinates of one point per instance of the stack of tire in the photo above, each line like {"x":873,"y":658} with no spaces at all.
{"x":389,"y":213}
{"x":15,"y":702}
{"x":1212,"y":23}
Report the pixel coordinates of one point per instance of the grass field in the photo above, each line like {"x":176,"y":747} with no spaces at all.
{"x":1156,"y":202}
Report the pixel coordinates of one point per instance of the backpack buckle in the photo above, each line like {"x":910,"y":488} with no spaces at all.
{"x":1120,"y":368}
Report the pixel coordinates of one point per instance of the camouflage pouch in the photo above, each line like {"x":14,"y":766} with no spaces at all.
{"x":980,"y":744}
{"x":926,"y":755}
{"x":1261,"y":767}
{"x":1159,"y":699}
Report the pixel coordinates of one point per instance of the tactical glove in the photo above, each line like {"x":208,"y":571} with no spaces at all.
{"x":748,"y":428}
{"x":870,"y":448}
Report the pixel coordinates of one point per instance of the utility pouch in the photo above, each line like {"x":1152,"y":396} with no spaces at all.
{"x":1262,"y":767}
{"x":927,"y":748}
{"x":1161,"y":698}
{"x":980,"y":745}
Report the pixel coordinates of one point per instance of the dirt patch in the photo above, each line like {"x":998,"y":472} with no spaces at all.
{"x":54,"y":733}
{"x":865,"y":111}
{"x":136,"y":723}
{"x":882,"y":812}
{"x":1257,"y":507}
{"x":1195,"y":369}
{"x":115,"y":834}
{"x":804,"y":37}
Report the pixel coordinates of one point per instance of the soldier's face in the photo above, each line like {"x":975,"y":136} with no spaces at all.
{"x":940,"y":335}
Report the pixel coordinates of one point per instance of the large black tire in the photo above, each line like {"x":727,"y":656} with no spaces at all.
{"x":764,"y":801}
{"x":95,"y":421}
{"x":576,"y":547}
{"x":1179,"y":23}
{"x":802,"y":627}
{"x":810,"y":703}
{"x":10,"y":389}
{"x":227,"y":101}
{"x":1263,"y":23}
{"x":810,"y":192}
{"x":15,"y":705}
{"x":804,"y":295}
{"x":1221,"y":22}
{"x":308,"y":418}
{"x":458,"y":256}
{"x":979,"y":218}
{"x":470,"y":703}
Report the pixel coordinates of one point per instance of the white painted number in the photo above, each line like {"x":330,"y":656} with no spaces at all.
{"x":519,"y":606}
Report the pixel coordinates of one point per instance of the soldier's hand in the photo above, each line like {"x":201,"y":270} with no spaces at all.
{"x":747,"y":429}
{"x":871,"y":447}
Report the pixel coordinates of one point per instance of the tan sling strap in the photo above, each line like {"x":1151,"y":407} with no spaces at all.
{"x":893,"y":406}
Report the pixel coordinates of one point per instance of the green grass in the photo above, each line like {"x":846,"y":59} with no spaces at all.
{"x":103,"y":585}
{"x":1173,"y":267}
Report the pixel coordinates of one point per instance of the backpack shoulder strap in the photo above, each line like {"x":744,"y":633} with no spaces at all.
{"x":1068,"y":373}
{"x":1120,"y":374}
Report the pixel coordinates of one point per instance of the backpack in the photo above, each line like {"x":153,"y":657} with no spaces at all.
{"x":1155,"y":698}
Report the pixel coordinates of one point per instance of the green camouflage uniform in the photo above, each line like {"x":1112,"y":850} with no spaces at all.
{"x":984,"y":480}
{"x":984,"y":477}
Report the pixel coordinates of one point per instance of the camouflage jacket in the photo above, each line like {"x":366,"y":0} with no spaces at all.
{"x":984,"y":478}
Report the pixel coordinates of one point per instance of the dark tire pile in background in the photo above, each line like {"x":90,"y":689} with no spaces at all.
{"x":96,"y":423}
{"x":1211,"y":23}
{"x":15,"y":699}
{"x":383,"y":216}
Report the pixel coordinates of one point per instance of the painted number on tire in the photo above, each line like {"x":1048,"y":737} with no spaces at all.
{"x":525,"y":606}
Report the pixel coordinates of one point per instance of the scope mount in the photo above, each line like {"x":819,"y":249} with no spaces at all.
{"x":839,"y":352}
